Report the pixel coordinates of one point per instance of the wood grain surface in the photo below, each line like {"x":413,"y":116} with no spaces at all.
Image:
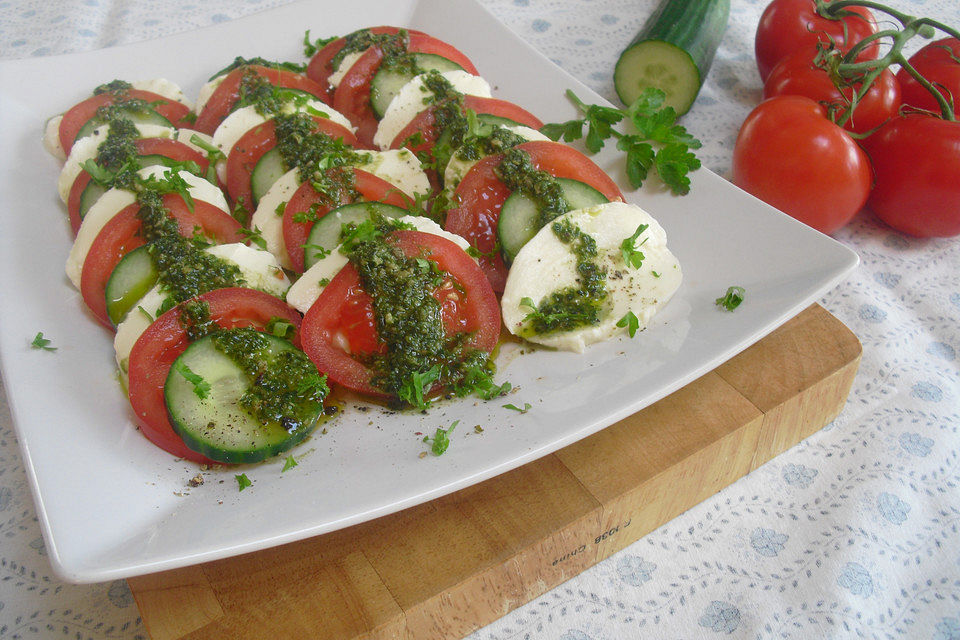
{"x":443,"y":569}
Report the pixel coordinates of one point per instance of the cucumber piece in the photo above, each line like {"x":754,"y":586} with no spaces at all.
{"x":138,"y":116}
{"x":325,"y":232}
{"x":673,"y":51}
{"x":129,"y":281}
{"x":92,"y":192}
{"x":216,"y":425}
{"x":270,"y":167}
{"x":520,"y":215}
{"x":443,"y":149}
{"x":386,"y":82}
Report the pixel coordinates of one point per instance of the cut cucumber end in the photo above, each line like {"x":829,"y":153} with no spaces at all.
{"x":325,"y":233}
{"x":269,"y":168}
{"x":386,"y":83}
{"x":658,"y":64}
{"x":129,"y":281}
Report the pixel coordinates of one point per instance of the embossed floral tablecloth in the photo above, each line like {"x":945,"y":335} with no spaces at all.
{"x":853,"y":533}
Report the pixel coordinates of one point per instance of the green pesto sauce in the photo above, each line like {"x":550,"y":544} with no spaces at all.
{"x":572,"y":307}
{"x":517,"y":172}
{"x":194,"y":317}
{"x":393,"y":45}
{"x":408,"y":318}
{"x":259,"y":92}
{"x":243,"y":62}
{"x":116,"y":87}
{"x":285,"y":387}
{"x":487,"y":142}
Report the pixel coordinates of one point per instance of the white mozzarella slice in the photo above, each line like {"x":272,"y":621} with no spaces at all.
{"x":86,"y":148}
{"x":348,"y":61}
{"x":187,"y":136}
{"x":414,"y":97}
{"x":260,"y":271}
{"x":545,"y":264}
{"x":242,"y":120}
{"x":400,"y":168}
{"x":51,"y":138}
{"x":457,"y":167}
{"x":206,"y":91}
{"x":166,"y":88}
{"x":308,"y":288}
{"x":268,"y":218}
{"x":115,"y":200}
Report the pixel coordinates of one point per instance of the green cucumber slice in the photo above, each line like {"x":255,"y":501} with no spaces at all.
{"x":269,"y":168}
{"x":387,"y":82}
{"x":92,"y":192}
{"x":325,"y":233}
{"x":673,"y":51}
{"x":215,"y":425}
{"x":520,"y":215}
{"x":138,"y":116}
{"x":129,"y":281}
{"x":443,"y":149}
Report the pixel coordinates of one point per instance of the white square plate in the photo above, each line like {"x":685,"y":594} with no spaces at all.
{"x":112,"y":505}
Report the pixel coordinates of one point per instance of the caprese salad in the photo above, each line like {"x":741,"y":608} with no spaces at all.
{"x":371,"y":220}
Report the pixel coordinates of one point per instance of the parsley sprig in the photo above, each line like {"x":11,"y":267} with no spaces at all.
{"x":659,"y":143}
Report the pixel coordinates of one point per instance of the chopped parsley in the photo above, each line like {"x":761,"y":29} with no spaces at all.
{"x":631,"y":322}
{"x":243,"y":481}
{"x":513,"y":407}
{"x":629,"y":248}
{"x":732,"y":299}
{"x":289,"y":463}
{"x":200,"y":386}
{"x":39,"y":342}
{"x":440,"y":441}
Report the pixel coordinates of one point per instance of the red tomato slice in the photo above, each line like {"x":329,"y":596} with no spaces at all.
{"x":340,"y":325}
{"x":251,"y":146}
{"x":121,"y":235}
{"x":424,"y":121}
{"x":319,"y":69}
{"x":80,"y":114}
{"x":481,"y":195}
{"x":220,"y":103}
{"x":352,"y":96}
{"x":173,"y":149}
{"x":164,"y":341}
{"x":295,"y":234}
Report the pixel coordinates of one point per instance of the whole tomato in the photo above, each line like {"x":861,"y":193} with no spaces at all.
{"x":916,"y":161}
{"x":790,"y":156}
{"x":938,"y":62}
{"x":788,"y":25}
{"x":797,"y":75}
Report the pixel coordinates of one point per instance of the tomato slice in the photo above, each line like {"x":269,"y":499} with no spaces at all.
{"x":481,"y":194}
{"x":81,"y":113}
{"x":352,"y":96}
{"x":163,"y":342}
{"x":166,"y":147}
{"x":424,"y":121}
{"x":221,"y":102}
{"x":121,"y":235}
{"x":257,"y":141}
{"x":370,"y":187}
{"x":319,"y":70}
{"x":339,"y":329}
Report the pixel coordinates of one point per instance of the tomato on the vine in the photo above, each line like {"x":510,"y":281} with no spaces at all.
{"x":789,"y":25}
{"x":938,"y":62}
{"x":791,"y":156}
{"x":796,"y":74}
{"x":916,"y":161}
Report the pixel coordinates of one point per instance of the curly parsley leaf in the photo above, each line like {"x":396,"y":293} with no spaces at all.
{"x":39,"y":342}
{"x":673,"y":162}
{"x":440,"y":441}
{"x":629,"y":248}
{"x":732,"y":299}
{"x":631,"y":322}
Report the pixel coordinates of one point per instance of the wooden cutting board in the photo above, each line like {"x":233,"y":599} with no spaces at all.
{"x":443,"y":569}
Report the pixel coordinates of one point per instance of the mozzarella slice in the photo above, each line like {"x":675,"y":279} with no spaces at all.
{"x":400,"y":168}
{"x":51,"y":138}
{"x":545,"y":265}
{"x":414,"y":97}
{"x":115,"y":200}
{"x":458,"y":167}
{"x":207,"y":90}
{"x":308,"y":288}
{"x":86,"y":148}
{"x":259,"y":269}
{"x":348,"y":61}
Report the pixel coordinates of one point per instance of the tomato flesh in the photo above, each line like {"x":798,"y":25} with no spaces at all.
{"x":162,"y":343}
{"x":319,"y":70}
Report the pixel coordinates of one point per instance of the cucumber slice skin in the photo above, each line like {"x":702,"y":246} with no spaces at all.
{"x":673,"y":51}
{"x":216,"y":426}
{"x":269,"y":168}
{"x":519,"y":215}
{"x":326,"y":231}
{"x":146,"y":116}
{"x":386,"y":83}
{"x":129,"y":281}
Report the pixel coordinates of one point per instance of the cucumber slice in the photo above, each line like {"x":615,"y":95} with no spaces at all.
{"x":386,"y":82}
{"x":270,"y":167}
{"x":216,"y":425}
{"x":443,"y":149}
{"x":130,"y":280}
{"x":92,"y":192}
{"x":325,"y":232}
{"x":139,"y":116}
{"x":520,"y":216}
{"x":673,"y":51}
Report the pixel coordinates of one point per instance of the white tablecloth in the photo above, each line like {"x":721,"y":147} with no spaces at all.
{"x":852,"y":533}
